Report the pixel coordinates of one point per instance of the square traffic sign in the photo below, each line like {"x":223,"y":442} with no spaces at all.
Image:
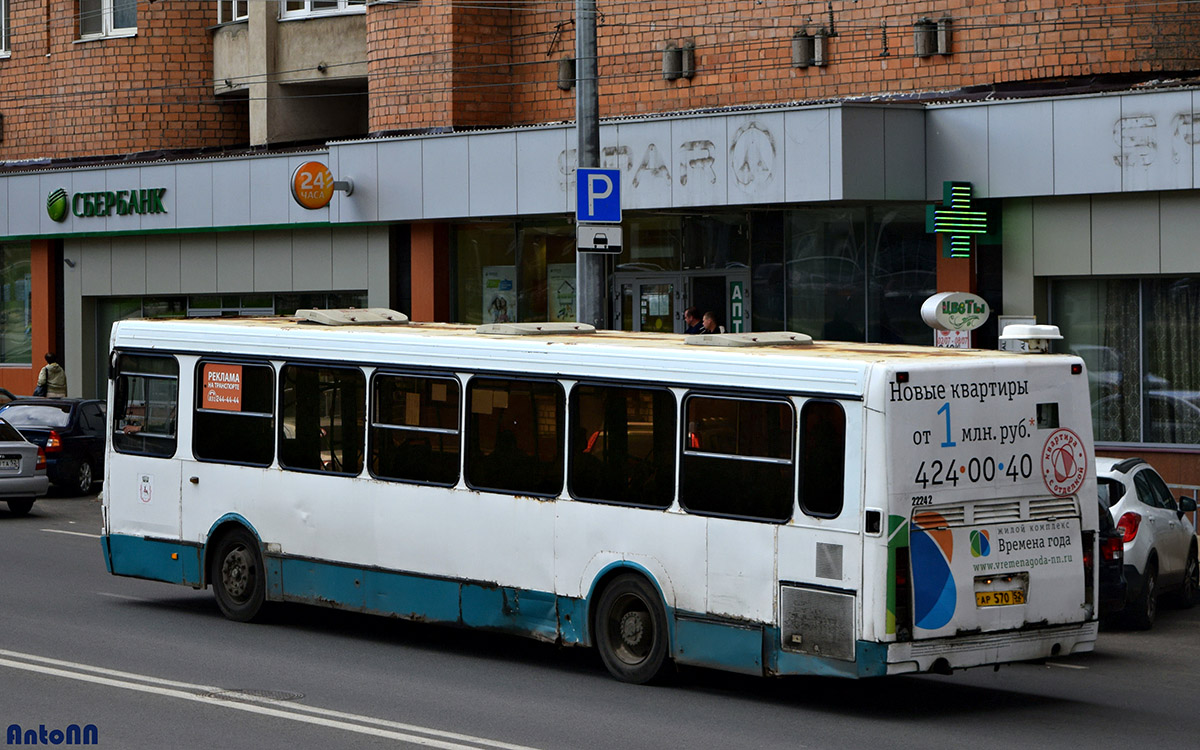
{"x":598,"y":195}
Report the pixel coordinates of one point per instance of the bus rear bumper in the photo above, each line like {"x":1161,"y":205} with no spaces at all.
{"x":961,"y":652}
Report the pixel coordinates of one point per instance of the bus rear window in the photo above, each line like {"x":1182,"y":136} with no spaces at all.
{"x":414,"y":429}
{"x":737,"y":458}
{"x":622,"y":445}
{"x":234,"y":421}
{"x":146,"y":405}
{"x":514,"y":436}
{"x":322,"y":419}
{"x":822,"y":458}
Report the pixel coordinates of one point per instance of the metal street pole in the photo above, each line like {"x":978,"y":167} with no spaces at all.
{"x":590,"y":282}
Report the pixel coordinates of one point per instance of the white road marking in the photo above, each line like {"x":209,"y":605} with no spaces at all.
{"x":1064,"y":666}
{"x":267,"y":707}
{"x":118,"y":596}
{"x":72,"y":533}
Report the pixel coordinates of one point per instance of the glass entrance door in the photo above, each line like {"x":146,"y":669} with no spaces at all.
{"x":656,"y":303}
{"x":649,"y":304}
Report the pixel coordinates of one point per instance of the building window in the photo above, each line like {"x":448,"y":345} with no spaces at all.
{"x":300,"y":8}
{"x":16,"y":331}
{"x":231,"y":10}
{"x":98,"y":18}
{"x":1144,"y":377}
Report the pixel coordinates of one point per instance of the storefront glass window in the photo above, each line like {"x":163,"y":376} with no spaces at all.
{"x":902,"y":274}
{"x":716,"y":242}
{"x":1141,"y":343}
{"x":16,"y":332}
{"x":546,"y":258}
{"x":485,"y":257}
{"x":824,"y":270}
{"x":652,"y":243}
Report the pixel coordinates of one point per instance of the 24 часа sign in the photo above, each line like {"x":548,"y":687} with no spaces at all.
{"x":105,"y":203}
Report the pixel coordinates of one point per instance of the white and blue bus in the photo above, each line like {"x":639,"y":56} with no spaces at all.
{"x":759,"y":503}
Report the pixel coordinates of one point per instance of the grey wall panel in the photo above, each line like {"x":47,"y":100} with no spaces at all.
{"x":643,"y":154}
{"x":1020,"y":149}
{"x":1017,"y":262}
{"x":194,"y":194}
{"x":444,"y":172}
{"x":836,"y":154}
{"x":1179,"y":214}
{"x":312,"y":258}
{"x":1125,"y":234}
{"x":359,"y":163}
{"x":1190,"y":129}
{"x":231,"y":193}
{"x":957,"y":145}
{"x":273,"y":261}
{"x":235,"y":261}
{"x":95,"y":266}
{"x":198,"y":263}
{"x":297,"y":214}
{"x":1155,"y":141}
{"x":904,"y":154}
{"x":270,"y":196}
{"x":379,"y":268}
{"x":492,"y":171}
{"x":351,"y":256}
{"x":162,"y":264}
{"x":807,"y":155}
{"x":1086,"y":133}
{"x":27,"y":204}
{"x":700,"y":162}
{"x":756,"y":155}
{"x":541,"y":171}
{"x":863,"y":155}
{"x":1062,"y":236}
{"x":400,"y":169}
{"x":159,"y":176}
{"x":4,"y":231}
{"x":129,"y":265}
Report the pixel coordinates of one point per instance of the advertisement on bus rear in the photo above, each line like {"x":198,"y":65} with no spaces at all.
{"x":988,"y":466}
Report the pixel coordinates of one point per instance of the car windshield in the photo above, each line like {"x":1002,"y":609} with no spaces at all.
{"x":37,"y":415}
{"x":1110,"y":491}
{"x":8,"y":433}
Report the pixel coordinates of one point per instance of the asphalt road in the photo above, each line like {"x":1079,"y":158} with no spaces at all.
{"x":156,"y":666}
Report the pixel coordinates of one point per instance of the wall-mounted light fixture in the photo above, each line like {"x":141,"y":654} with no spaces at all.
{"x":802,"y":49}
{"x":688,"y":54}
{"x":944,"y":35}
{"x":924,"y":38}
{"x":566,"y":73}
{"x":70,"y":263}
{"x":821,"y":47}
{"x":679,"y":61}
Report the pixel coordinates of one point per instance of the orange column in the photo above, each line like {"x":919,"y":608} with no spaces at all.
{"x":956,"y":274}
{"x":429,"y":250}
{"x":43,"y":283}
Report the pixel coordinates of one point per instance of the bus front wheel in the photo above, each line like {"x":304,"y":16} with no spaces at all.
{"x":631,"y":630}
{"x":238,"y":577}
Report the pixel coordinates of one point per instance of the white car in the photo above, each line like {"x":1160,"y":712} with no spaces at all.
{"x":1160,"y":539}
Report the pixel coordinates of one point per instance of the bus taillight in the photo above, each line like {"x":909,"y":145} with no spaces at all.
{"x":1089,"y":557}
{"x":904,"y":621}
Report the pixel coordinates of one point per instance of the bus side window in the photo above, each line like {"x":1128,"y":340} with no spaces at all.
{"x":622,"y":445}
{"x":737,"y":458}
{"x":145,"y":405}
{"x":514,"y":436}
{"x":414,"y":432}
{"x":822,"y":458}
{"x":234,"y":418}
{"x":322,"y":419}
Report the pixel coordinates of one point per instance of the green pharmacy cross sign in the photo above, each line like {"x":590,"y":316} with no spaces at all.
{"x":956,"y":219}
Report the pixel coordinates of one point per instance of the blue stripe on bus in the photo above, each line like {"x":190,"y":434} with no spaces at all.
{"x":740,"y":647}
{"x":151,"y":559}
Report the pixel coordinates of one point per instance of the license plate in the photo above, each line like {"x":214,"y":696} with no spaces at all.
{"x":10,"y":463}
{"x":998,"y":598}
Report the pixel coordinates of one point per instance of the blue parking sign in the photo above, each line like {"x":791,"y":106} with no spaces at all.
{"x":598,"y":195}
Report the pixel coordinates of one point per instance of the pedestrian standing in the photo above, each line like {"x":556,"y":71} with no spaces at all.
{"x":52,"y":380}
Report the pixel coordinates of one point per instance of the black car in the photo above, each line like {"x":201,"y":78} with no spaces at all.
{"x":70,"y":432}
{"x":1112,"y":563}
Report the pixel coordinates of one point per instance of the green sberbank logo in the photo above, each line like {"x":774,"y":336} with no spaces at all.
{"x":105,"y":203}
{"x":56,"y":205}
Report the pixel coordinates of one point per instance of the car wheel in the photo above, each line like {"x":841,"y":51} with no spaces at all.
{"x":238,"y":576}
{"x":20,"y":506}
{"x":631,"y":630}
{"x":84,"y":477}
{"x":1145,"y":609}
{"x":1190,"y":591}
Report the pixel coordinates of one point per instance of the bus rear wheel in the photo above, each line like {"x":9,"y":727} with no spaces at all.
{"x":238,"y":576}
{"x":631,"y":630}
